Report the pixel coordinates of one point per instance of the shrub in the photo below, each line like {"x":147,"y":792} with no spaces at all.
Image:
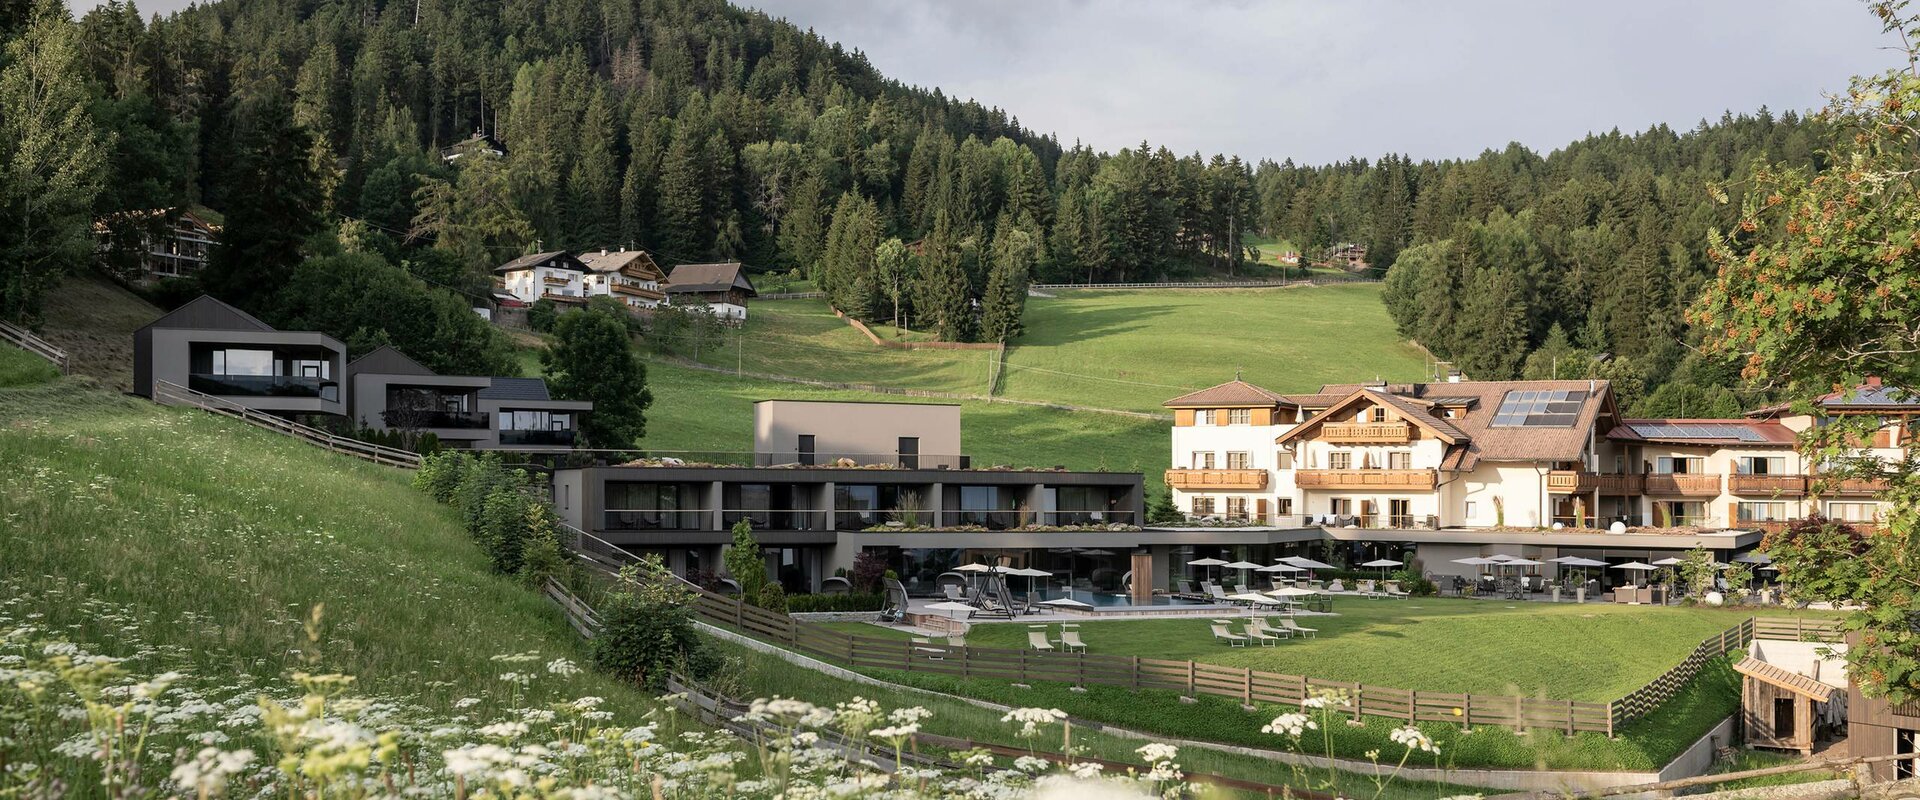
{"x":542,"y":316}
{"x":772,"y":597}
{"x":541,"y":555}
{"x":440,"y":474}
{"x":857,"y":601}
{"x":869,"y":568}
{"x":647,"y":630}
{"x":1413,"y":583}
{"x":745,"y":564}
{"x":503,"y":528}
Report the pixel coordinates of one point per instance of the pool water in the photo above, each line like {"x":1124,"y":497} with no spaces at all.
{"x":1099,"y":599}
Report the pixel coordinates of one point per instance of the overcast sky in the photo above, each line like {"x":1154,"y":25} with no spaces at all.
{"x":1321,"y":81}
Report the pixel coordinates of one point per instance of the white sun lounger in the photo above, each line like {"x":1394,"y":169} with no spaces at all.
{"x":1394,"y":591}
{"x":1256,"y":634}
{"x":1232,"y":639}
{"x":1295,"y":627}
{"x":1038,"y":641}
{"x":1071,"y":641}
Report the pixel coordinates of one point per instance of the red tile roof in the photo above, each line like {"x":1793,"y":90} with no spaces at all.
{"x":1231,"y":393}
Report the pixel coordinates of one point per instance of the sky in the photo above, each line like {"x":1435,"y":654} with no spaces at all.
{"x":1324,"y":81}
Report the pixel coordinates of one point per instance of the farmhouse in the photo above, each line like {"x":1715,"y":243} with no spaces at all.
{"x":168,"y":243}
{"x":554,"y":275}
{"x":627,"y":275}
{"x":724,"y":288}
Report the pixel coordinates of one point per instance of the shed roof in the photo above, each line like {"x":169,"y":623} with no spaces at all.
{"x":386,"y":360}
{"x":1784,"y":678}
{"x":206,"y":313}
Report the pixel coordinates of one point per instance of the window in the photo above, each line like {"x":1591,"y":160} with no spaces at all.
{"x":1240,"y":416}
{"x":1204,"y":416}
{"x":1680,"y":513}
{"x":1763,"y":512}
{"x":1239,"y":461}
{"x":1400,"y":513}
{"x":1761,"y":465}
{"x":1906,"y":743}
{"x":1283,"y":459}
{"x":1203,"y":459}
{"x":1853,"y":512}
{"x":1473,"y":509}
{"x":1679,"y":465}
{"x":1284,"y":506}
{"x":1447,"y":412}
{"x":242,"y":362}
{"x":1339,"y":460}
{"x":1340,"y":506}
{"x":1237,"y":507}
{"x":1378,"y":414}
{"x":1202,"y":506}
{"x":1399,"y":460}
{"x":805,"y":448}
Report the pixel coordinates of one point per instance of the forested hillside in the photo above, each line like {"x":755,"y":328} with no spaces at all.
{"x":1596,"y":248}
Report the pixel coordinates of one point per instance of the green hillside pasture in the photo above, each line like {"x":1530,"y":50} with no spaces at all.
{"x":21,"y":368}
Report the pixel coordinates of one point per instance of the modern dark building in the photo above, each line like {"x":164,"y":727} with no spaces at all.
{"x":214,"y":348}
{"x":394,"y":392}
{"x":813,"y":520}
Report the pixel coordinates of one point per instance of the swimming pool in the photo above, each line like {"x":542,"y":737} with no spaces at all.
{"x":1099,"y":599}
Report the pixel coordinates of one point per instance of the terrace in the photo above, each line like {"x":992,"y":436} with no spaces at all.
{"x":1404,"y":479}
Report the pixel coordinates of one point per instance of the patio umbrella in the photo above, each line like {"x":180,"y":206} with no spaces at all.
{"x":951,"y":608}
{"x":1256,"y":599}
{"x":1383,"y":564}
{"x":1243,"y":566}
{"x":1065,"y":602}
{"x":1753,"y":558}
{"x":1305,"y":563}
{"x":1030,"y":573}
{"x":1668,"y":562}
{"x":1280,"y":568}
{"x":1636,"y":566}
{"x":1582,"y":563}
{"x":1206,"y":562}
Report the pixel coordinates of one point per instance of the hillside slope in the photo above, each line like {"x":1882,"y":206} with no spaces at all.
{"x":93,"y":320}
{"x":221,"y":538}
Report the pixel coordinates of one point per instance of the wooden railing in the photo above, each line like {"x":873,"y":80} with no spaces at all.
{"x":1797,"y":630}
{"x":1365,"y":478}
{"x":1658,"y":691}
{"x":1567,"y":481}
{"x":26,"y":340}
{"x":1767,"y":485}
{"x":1367,"y":432}
{"x":169,"y":393}
{"x":1850,"y":486}
{"x":1217,"y":478}
{"x":1684,"y":484}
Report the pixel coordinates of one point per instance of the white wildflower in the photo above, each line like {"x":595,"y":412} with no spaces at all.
{"x":1289,"y":725}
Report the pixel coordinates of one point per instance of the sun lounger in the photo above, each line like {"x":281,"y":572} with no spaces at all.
{"x":1336,"y":586}
{"x":1294,"y":627}
{"x":1254,"y":633}
{"x":1365,"y":588}
{"x":954,"y":593}
{"x":1038,"y":641}
{"x":1071,"y":641}
{"x":1269,"y":630}
{"x":1232,"y":639}
{"x":1394,"y":591}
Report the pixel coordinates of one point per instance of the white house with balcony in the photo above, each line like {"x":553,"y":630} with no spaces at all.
{"x":556,"y":276}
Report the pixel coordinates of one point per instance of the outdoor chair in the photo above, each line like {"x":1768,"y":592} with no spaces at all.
{"x":1294,"y":627}
{"x":1269,"y":630}
{"x":1394,"y":591}
{"x":1219,"y":595}
{"x":1365,"y":588}
{"x":1220,"y":633}
{"x":954,"y":593}
{"x":1038,"y":641}
{"x":1336,"y":586}
{"x":1254,"y":633}
{"x":1070,"y":639}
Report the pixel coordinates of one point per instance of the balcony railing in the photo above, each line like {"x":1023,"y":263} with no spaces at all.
{"x":1376,"y":521}
{"x":1851,"y":486}
{"x":1684,"y":484}
{"x":1254,"y":479}
{"x":1767,"y":485}
{"x":264,"y":386}
{"x":398,"y":418}
{"x":791,"y":519}
{"x":1367,"y":432}
{"x":856,"y":519}
{"x":894,"y":459}
{"x":1413,"y":479}
{"x":532,"y":438}
{"x":646,"y":519}
{"x":1567,"y":481}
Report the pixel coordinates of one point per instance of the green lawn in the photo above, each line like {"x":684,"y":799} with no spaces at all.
{"x":1595,"y":652}
{"x":1127,"y":350}
{"x":698,"y":410}
{"x":222,"y":537}
{"x":21,"y":368}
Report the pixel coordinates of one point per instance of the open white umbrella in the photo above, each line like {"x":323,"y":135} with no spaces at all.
{"x":1382,"y":564}
{"x":1753,"y":558}
{"x":1064,"y":602}
{"x":1577,"y":561}
{"x":975,"y":568}
{"x":1242,"y":566}
{"x":1291,"y":591}
{"x":1206,"y":562}
{"x":1668,"y":562}
{"x":1280,"y":568}
{"x":1636,"y":565}
{"x":1478,"y":561}
{"x":1305,"y":563}
{"x":951,"y":608}
{"x":1520,"y":562}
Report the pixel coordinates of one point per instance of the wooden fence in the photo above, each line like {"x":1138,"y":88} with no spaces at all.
{"x":899,"y":345}
{"x":169,"y":393}
{"x":1193,"y":678}
{"x":1317,"y":280}
{"x":26,"y":340}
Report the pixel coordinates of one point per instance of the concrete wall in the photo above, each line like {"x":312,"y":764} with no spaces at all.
{"x":869,"y":433}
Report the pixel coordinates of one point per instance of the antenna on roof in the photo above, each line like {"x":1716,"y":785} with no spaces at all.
{"x":1236,"y":373}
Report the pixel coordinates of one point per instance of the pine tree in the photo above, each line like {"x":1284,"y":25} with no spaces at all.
{"x":805,"y":226}
{"x":946,"y":302}
{"x":1015,"y":252}
{"x":681,"y":229}
{"x":265,"y":237}
{"x":593,"y":190}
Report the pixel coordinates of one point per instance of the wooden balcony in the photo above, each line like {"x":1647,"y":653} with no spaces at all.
{"x":1391,"y":479}
{"x":639,"y":291}
{"x":1567,"y":481}
{"x":1767,"y":485}
{"x":1851,"y":487}
{"x":1367,"y":432}
{"x":1684,"y":484}
{"x":1235,"y":479}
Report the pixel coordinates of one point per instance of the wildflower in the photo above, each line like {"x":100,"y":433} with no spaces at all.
{"x":1032,"y":764}
{"x":896,"y":732}
{"x":979,"y":758}
{"x":1157,"y":752}
{"x":208,"y":772}
{"x":503,"y":730}
{"x":562,"y":667}
{"x":909,"y":716}
{"x":1413,"y":739}
{"x":1289,"y":725}
{"x":1031,"y":719}
{"x":466,"y":702}
{"x":1086,"y":770}
{"x":519,"y":678}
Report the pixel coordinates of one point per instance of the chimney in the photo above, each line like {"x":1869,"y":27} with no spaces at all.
{"x":1873,"y":381}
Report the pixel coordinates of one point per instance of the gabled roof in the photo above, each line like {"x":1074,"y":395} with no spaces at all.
{"x":206,"y":313}
{"x":1867,"y":397}
{"x":1786,"y":679}
{"x":516,"y":389}
{"x":1480,"y":438}
{"x":1714,"y":432}
{"x":634,"y":262}
{"x":386,"y":360}
{"x":1232,"y":393}
{"x":710,"y":278}
{"x":554,"y":259}
{"x":1411,"y":410}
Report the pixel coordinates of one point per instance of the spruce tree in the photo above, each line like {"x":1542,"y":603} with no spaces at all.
{"x":805,"y":227}
{"x":681,"y":224}
{"x":1015,"y":251}
{"x":847,"y":273}
{"x":947,"y":303}
{"x":594,"y":189}
{"x":264,"y":238}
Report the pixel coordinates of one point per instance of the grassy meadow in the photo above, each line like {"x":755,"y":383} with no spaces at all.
{"x":93,"y":319}
{"x":224,"y":538}
{"x":21,"y":368}
{"x":1126,"y":350}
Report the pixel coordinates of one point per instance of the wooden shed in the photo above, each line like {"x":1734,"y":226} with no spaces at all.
{"x":1781,"y":708}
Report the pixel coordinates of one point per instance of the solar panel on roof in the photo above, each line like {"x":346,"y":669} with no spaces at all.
{"x":1539,"y":408}
{"x":1680,"y":430}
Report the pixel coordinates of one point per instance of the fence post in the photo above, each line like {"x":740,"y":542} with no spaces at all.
{"x":1190,"y":684}
{"x":1519,"y":714}
{"x":1569,"y":717}
{"x":1136,"y":673}
{"x":1246,"y":690}
{"x":1413,"y":702}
